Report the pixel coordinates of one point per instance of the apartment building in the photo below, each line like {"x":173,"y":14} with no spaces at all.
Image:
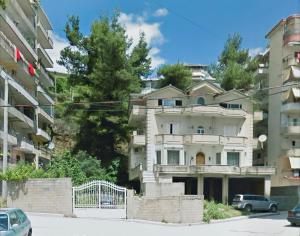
{"x":283,"y":73}
{"x":202,"y":137}
{"x":24,"y":36}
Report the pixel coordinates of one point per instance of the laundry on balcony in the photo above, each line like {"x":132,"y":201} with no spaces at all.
{"x":31,"y":69}
{"x":18,"y":54}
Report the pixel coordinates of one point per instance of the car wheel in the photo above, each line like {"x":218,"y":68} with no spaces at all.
{"x":30,"y":233}
{"x":273,"y":208}
{"x":248,"y":208}
{"x":293,"y":224}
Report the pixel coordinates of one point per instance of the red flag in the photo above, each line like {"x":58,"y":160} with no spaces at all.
{"x":31,"y":69}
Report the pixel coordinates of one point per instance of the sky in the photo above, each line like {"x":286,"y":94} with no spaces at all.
{"x":183,"y":31}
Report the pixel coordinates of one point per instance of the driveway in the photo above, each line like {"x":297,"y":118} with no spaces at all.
{"x":45,"y":225}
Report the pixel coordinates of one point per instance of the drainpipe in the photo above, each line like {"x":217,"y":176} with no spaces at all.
{"x":5,"y":138}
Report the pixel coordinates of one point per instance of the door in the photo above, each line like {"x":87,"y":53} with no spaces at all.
{"x":200,"y":159}
{"x":16,"y":225}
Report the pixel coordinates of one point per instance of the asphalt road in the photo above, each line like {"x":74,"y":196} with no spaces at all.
{"x":45,"y":225}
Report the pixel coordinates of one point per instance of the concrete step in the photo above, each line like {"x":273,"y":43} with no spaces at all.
{"x":148,"y":177}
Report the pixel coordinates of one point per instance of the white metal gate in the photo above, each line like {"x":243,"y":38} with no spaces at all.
{"x":99,"y":199}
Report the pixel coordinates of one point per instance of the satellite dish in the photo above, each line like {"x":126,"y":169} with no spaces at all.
{"x":262,"y":138}
{"x":51,"y":146}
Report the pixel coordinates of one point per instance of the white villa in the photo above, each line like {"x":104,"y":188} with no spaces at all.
{"x":202,"y":137}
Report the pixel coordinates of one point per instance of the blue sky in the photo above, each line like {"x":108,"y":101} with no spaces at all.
{"x":191,"y":31}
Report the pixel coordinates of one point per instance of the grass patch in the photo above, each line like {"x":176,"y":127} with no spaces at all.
{"x":218,"y":211}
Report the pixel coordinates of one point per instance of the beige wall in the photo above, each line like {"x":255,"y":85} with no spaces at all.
{"x":41,"y":195}
{"x":176,"y":209}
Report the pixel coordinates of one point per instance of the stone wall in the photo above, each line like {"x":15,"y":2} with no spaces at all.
{"x":163,"y":189}
{"x":168,"y":209}
{"x":41,"y":195}
{"x":287,"y":197}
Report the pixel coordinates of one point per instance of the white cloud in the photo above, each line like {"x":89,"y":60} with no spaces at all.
{"x":161,"y":12}
{"x":59,"y":44}
{"x":156,"y":60}
{"x":135,"y":25}
{"x":255,"y":51}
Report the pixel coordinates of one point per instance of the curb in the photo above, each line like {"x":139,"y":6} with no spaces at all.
{"x":257,"y":215}
{"x":44,"y":214}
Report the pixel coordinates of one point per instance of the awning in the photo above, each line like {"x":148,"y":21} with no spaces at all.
{"x":296,"y":92}
{"x":293,"y":74}
{"x":295,"y":162}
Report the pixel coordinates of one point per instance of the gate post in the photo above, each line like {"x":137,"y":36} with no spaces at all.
{"x":73,"y":199}
{"x":99,"y":192}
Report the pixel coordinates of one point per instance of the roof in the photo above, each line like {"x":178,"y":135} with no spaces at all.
{"x":163,"y":88}
{"x":198,"y":85}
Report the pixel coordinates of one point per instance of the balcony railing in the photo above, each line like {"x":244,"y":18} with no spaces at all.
{"x":7,"y":45}
{"x":290,"y":60}
{"x":199,"y":139}
{"x":215,"y":169}
{"x":290,"y":107}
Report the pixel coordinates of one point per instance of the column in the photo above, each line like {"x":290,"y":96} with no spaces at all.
{"x":5,"y":138}
{"x":181,"y":157}
{"x":150,"y":139}
{"x":225,"y":189}
{"x":36,"y":161}
{"x":267,"y":187}
{"x":200,"y":185}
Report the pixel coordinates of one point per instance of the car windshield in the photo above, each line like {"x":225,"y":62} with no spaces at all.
{"x":3,"y":222}
{"x":297,"y":208}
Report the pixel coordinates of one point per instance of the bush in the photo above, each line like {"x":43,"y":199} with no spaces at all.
{"x":80,"y":168}
{"x":213,"y":211}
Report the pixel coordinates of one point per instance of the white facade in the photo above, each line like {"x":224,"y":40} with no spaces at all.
{"x":284,"y":101}
{"x":24,"y":36}
{"x":205,"y":132}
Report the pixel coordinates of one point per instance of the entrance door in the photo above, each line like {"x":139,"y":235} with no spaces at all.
{"x":200,"y":159}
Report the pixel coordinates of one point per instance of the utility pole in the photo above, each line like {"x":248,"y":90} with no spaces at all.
{"x":5,"y":138}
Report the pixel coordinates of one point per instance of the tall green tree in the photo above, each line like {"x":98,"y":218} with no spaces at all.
{"x":2,"y":4}
{"x":177,"y":75}
{"x":104,"y":69}
{"x":234,"y":69}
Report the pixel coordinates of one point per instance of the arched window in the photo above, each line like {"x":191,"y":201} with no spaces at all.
{"x":200,"y":130}
{"x":201,"y":101}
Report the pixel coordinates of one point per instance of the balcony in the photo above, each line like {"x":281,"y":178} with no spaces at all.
{"x":292,"y":31}
{"x":7,"y":49}
{"x":215,"y":169}
{"x":44,"y":37}
{"x":291,"y":128}
{"x":210,"y":111}
{"x":289,"y":61}
{"x":139,"y":140}
{"x":27,"y":145}
{"x":29,"y":95}
{"x":290,"y":108}
{"x":261,"y":72}
{"x":42,"y":91}
{"x":191,"y":139}
{"x":137,"y":113}
{"x":44,"y":136}
{"x":44,"y":77}
{"x":12,"y":140}
{"x":44,"y":115}
{"x":293,"y":152}
{"x":26,"y":45}
{"x":44,"y":57}
{"x":15,"y":113}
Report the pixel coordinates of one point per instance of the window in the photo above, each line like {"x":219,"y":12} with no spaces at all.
{"x":136,"y":150}
{"x":178,"y":103}
{"x":4,"y":221}
{"x":171,"y":128}
{"x":168,"y":102}
{"x":200,"y":130}
{"x":296,"y":173}
{"x":233,"y":158}
{"x":293,"y":143}
{"x":14,"y":219}
{"x":173,"y":157}
{"x":159,"y":102}
{"x":158,"y":157}
{"x":218,"y":158}
{"x":22,"y":216}
{"x":231,"y":106}
{"x":201,"y":101}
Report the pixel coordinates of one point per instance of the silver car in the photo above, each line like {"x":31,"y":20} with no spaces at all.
{"x":14,"y":222}
{"x":250,"y":202}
